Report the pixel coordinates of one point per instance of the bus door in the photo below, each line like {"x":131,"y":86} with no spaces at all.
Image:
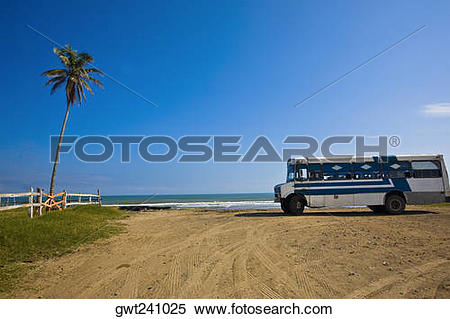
{"x":427,"y":183}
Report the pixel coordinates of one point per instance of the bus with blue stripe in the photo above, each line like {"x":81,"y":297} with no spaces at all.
{"x":383,"y":183}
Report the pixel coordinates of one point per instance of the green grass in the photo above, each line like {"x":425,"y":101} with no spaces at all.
{"x":439,"y":204}
{"x":24,"y":241}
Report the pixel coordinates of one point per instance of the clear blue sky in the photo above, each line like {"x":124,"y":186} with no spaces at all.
{"x":219,"y":67}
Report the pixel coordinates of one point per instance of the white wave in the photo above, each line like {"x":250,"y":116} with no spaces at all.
{"x":215,"y":204}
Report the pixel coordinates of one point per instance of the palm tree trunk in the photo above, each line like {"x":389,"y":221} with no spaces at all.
{"x":55,"y":164}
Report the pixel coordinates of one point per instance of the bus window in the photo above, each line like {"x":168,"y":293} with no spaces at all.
{"x":336,"y":171}
{"x":302,"y":172}
{"x":290,"y":173}
{"x":367,"y":170}
{"x":315,"y":172}
{"x":426,"y":169}
{"x":396,"y":169}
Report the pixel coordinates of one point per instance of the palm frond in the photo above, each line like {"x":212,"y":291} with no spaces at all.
{"x":55,"y":79}
{"x":57,"y":85}
{"x":82,"y":92}
{"x":97,"y":82}
{"x":85,"y":58}
{"x":62,"y":57}
{"x":86,"y":85}
{"x":92,"y":79}
{"x":70,"y":93}
{"x":78,"y":94}
{"x":94,"y":70}
{"x":55,"y":72}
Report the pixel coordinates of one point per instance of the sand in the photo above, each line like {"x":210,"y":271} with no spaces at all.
{"x":334,"y":253}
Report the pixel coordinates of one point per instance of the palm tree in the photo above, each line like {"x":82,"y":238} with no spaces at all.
{"x":76,"y":76}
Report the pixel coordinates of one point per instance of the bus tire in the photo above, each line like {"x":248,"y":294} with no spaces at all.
{"x":377,"y":208}
{"x":296,"y":205}
{"x":284,"y":206}
{"x":395,"y":204}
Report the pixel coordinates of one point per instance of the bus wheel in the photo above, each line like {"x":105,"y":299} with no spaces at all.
{"x":296,"y":206}
{"x":395,"y":204}
{"x":284,"y":206}
{"x":377,"y":208}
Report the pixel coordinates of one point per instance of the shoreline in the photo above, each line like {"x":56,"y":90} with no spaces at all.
{"x":220,"y":205}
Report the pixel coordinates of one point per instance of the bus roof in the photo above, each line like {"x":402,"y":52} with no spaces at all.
{"x":355,"y":159}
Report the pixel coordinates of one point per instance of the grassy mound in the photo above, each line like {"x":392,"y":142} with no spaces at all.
{"x":24,"y":240}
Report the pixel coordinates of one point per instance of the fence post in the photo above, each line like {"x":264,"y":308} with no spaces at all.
{"x":30,"y":201}
{"x":90,"y":199}
{"x":79,"y":199}
{"x":64,"y":203}
{"x":40,"y":201}
{"x":99,"y":198}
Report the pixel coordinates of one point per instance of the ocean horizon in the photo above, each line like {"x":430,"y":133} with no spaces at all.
{"x":218,"y":201}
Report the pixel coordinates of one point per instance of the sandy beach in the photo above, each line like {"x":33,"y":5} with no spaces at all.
{"x":333,"y":253}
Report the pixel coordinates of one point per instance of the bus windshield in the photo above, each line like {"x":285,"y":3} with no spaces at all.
{"x":290,"y":173}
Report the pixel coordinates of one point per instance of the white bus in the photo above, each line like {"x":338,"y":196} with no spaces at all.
{"x":383,"y":183}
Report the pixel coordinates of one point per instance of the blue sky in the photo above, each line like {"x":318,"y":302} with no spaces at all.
{"x":216,"y":68}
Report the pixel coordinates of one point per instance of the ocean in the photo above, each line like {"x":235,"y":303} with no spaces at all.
{"x":211,"y":201}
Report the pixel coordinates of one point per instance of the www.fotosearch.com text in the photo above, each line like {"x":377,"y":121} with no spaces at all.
{"x":222,"y":148}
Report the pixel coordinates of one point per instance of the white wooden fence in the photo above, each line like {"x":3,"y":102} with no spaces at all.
{"x":37,"y":200}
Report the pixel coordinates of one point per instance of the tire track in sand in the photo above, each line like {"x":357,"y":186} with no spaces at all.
{"x":254,"y":251}
{"x":140,"y":257}
{"x":376,"y":286}
{"x":200,"y":266}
